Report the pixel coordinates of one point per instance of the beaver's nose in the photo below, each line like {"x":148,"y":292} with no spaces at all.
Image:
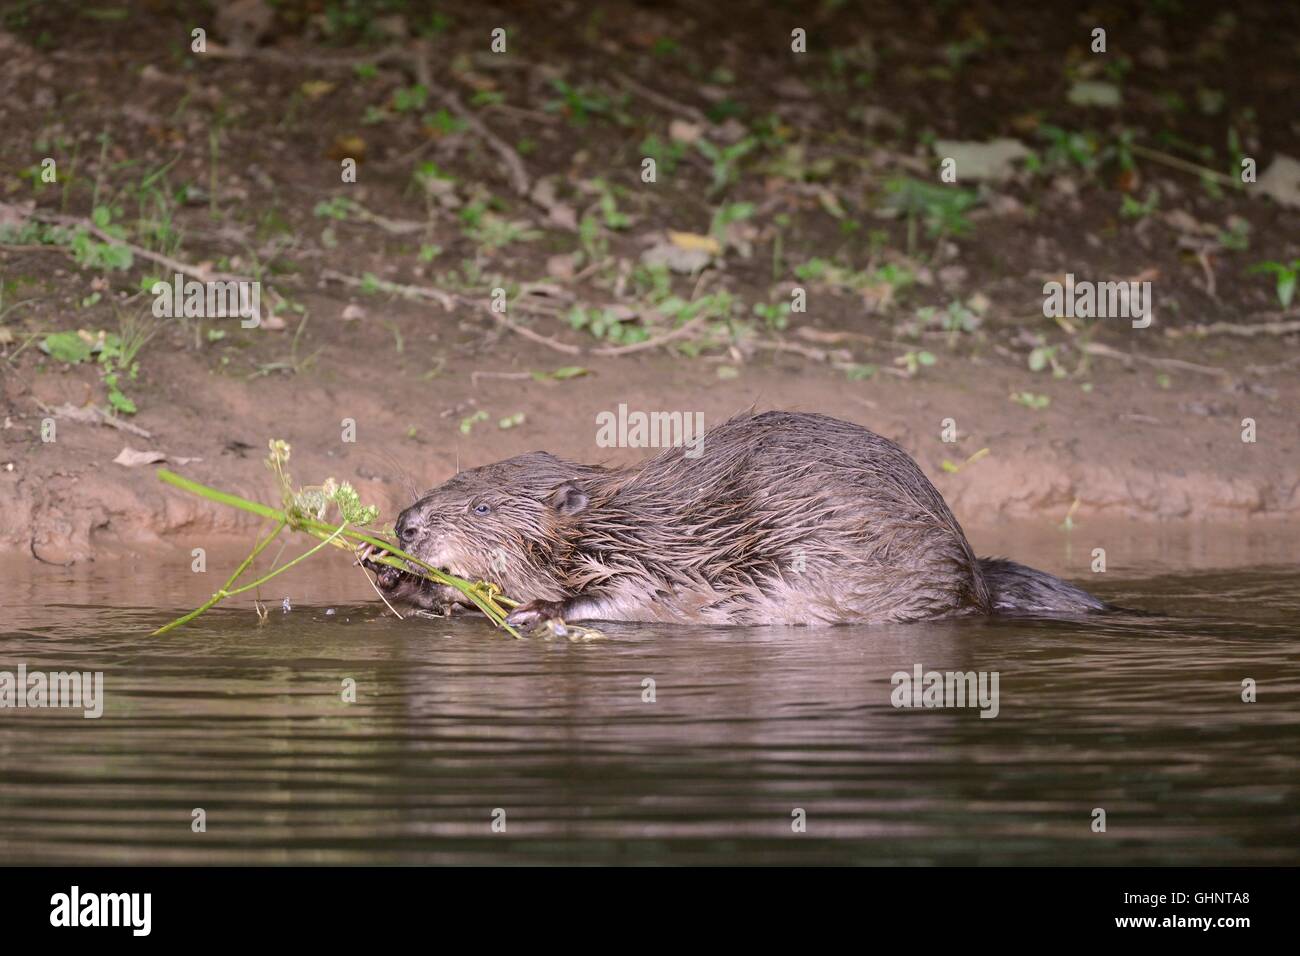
{"x":405,"y":527}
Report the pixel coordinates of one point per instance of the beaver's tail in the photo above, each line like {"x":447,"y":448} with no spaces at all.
{"x":1016,"y":589}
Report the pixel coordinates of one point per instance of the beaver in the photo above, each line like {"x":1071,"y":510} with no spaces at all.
{"x":785,"y":518}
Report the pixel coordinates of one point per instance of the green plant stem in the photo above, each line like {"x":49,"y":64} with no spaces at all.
{"x":1183,"y":164}
{"x":285,"y":567}
{"x":329,"y":534}
{"x":203,"y":491}
{"x":261,"y":546}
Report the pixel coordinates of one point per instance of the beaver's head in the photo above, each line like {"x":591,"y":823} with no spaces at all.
{"x":504,"y":522}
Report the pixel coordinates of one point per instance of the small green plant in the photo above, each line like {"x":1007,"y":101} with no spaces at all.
{"x":913,"y":361}
{"x":792,"y":163}
{"x":93,"y":253}
{"x":157,"y":210}
{"x":725,"y":160}
{"x":891,"y":274}
{"x":860,"y":372}
{"x":954,"y":320}
{"x":579,"y":104}
{"x":957,"y":53}
{"x":881,"y":285}
{"x":591,"y":239}
{"x":1286,"y":274}
{"x":469,"y":421}
{"x":409,"y":99}
{"x":1030,"y":400}
{"x":443,"y":123}
{"x":953,"y":468}
{"x":813,"y":270}
{"x":116,"y":353}
{"x":776,"y":315}
{"x":1065,"y":149}
{"x":942,"y":209}
{"x":118,"y":357}
{"x":336,"y":207}
{"x":718,"y":306}
{"x":607,"y":325}
{"x":666,"y":154}
{"x":492,"y":231}
{"x":610,"y":214}
{"x":725,"y":215}
{"x":654,"y":283}
{"x":1236,"y":238}
{"x":560,"y":374}
{"x":1044,"y":356}
{"x":1131,"y":208}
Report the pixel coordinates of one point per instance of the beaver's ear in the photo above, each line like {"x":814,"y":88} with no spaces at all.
{"x":568,"y":499}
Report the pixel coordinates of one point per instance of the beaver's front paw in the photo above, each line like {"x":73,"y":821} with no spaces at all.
{"x":406,"y":587}
{"x":537,"y":613}
{"x":386,"y":576}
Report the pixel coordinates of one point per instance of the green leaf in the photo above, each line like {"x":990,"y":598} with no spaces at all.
{"x":66,"y":347}
{"x":560,"y":374}
{"x":121,"y":402}
{"x":1286,"y":288}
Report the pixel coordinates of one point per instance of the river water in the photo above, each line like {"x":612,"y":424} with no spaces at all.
{"x":760,"y":745}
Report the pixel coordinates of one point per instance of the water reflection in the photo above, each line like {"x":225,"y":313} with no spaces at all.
{"x":1141,"y":717}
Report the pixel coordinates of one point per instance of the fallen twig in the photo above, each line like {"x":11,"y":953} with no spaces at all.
{"x":807,"y":351}
{"x":681,"y":332}
{"x":92,"y":415}
{"x":1240,"y":329}
{"x":1105,"y":351}
{"x":514,"y":165}
{"x":1183,"y":164}
{"x":445,"y":299}
{"x":175,"y":265}
{"x":660,"y":100}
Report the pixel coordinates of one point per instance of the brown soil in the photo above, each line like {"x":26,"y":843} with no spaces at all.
{"x":1121,"y":438}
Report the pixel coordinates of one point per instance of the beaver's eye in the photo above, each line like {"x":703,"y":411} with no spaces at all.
{"x":481,"y":509}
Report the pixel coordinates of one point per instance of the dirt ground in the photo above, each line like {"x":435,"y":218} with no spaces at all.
{"x":229,"y":162}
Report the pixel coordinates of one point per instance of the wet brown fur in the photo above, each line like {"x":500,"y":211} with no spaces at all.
{"x":785,"y":518}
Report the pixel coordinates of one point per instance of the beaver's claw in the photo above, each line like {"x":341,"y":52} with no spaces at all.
{"x":387,"y":577}
{"x":538,"y":613}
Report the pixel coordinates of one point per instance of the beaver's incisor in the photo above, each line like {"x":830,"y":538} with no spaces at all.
{"x":785,"y":518}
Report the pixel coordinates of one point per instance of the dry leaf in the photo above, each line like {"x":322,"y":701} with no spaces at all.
{"x":131,"y":458}
{"x":683,"y":132}
{"x":562,"y":267}
{"x":348,"y":147}
{"x":694,"y":242}
{"x":315,"y":89}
